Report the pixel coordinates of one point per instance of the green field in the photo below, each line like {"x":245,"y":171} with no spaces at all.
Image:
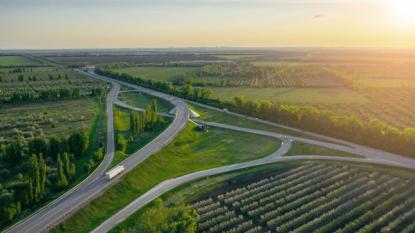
{"x":215,"y":188}
{"x":58,"y":118}
{"x":141,"y":100}
{"x":122,"y":128}
{"x":16,"y":61}
{"x":191,"y":151}
{"x":161,"y":73}
{"x":293,"y":95}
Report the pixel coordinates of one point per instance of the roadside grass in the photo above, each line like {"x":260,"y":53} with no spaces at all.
{"x":122,"y":128}
{"x":16,"y":61}
{"x":141,"y":100}
{"x":300,"y":148}
{"x":293,"y":95}
{"x":191,"y":151}
{"x":160,"y":73}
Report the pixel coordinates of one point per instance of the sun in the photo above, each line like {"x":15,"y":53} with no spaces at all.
{"x":404,"y":11}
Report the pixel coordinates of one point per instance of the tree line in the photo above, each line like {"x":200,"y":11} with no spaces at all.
{"x":24,"y":95}
{"x":145,"y":121}
{"x":142,"y":122}
{"x":374,"y":132}
{"x":186,"y":91}
{"x":43,"y":167}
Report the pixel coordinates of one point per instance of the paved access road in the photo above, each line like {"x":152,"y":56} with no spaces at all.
{"x":371,"y":156}
{"x":89,"y":189}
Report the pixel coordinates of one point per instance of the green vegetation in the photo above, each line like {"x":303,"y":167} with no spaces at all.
{"x":256,"y":193}
{"x":58,"y":118}
{"x":293,"y":95}
{"x":45,"y":84}
{"x":299,"y":148}
{"x":133,"y":141}
{"x":371,"y":132}
{"x":158,"y":218}
{"x":191,"y":151}
{"x":158,"y":73}
{"x":52,"y":130}
{"x":28,"y":180}
{"x":16,"y":61}
{"x":312,"y":198}
{"x":141,"y":100}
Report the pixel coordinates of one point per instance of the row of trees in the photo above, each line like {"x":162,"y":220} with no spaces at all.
{"x":141,"y":122}
{"x":43,"y":166}
{"x":187,"y":91}
{"x":373,"y":133}
{"x":297,"y":75}
{"x":146,"y":121}
{"x":24,"y":95}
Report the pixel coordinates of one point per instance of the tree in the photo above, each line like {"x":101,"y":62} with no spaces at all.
{"x":42,"y":175}
{"x":69,"y":168}
{"x":54,"y":147}
{"x":133,"y":123}
{"x":121,"y":143}
{"x":36,"y":178}
{"x":62,"y":181}
{"x":14,"y":152}
{"x":78,"y":143}
{"x":38,"y":146}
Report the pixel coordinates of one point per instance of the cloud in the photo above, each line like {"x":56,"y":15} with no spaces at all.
{"x":319,"y":16}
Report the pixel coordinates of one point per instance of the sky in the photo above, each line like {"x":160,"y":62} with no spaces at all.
{"x":43,"y":24}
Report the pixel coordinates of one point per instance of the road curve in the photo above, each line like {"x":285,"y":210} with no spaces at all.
{"x":370,"y":156}
{"x":168,"y":185}
{"x":73,"y":200}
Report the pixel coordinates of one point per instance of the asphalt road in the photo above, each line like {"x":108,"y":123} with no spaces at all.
{"x":94,"y":185}
{"x":371,"y":156}
{"x":89,"y":189}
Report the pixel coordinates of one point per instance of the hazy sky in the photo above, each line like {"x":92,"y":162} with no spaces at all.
{"x":183,"y":23}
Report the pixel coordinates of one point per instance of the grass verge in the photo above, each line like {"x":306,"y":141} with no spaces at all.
{"x":299,"y":148}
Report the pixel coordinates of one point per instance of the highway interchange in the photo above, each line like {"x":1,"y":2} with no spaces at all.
{"x":96,"y":183}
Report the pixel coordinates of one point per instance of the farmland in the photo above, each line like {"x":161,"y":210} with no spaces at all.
{"x":50,"y":118}
{"x":297,"y":197}
{"x":318,"y":198}
{"x":293,"y":95}
{"x":16,"y":61}
{"x":157,"y":73}
{"x":43,"y":111}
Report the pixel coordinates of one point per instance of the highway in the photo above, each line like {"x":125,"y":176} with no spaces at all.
{"x":74,"y":199}
{"x":369,"y":155}
{"x":277,"y":156}
{"x":94,"y":185}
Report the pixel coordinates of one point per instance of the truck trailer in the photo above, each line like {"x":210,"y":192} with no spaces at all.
{"x":114,"y":172}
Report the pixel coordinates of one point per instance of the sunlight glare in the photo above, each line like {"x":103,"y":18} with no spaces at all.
{"x":404,"y":11}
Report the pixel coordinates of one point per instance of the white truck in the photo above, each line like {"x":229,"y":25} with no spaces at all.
{"x":114,"y":172}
